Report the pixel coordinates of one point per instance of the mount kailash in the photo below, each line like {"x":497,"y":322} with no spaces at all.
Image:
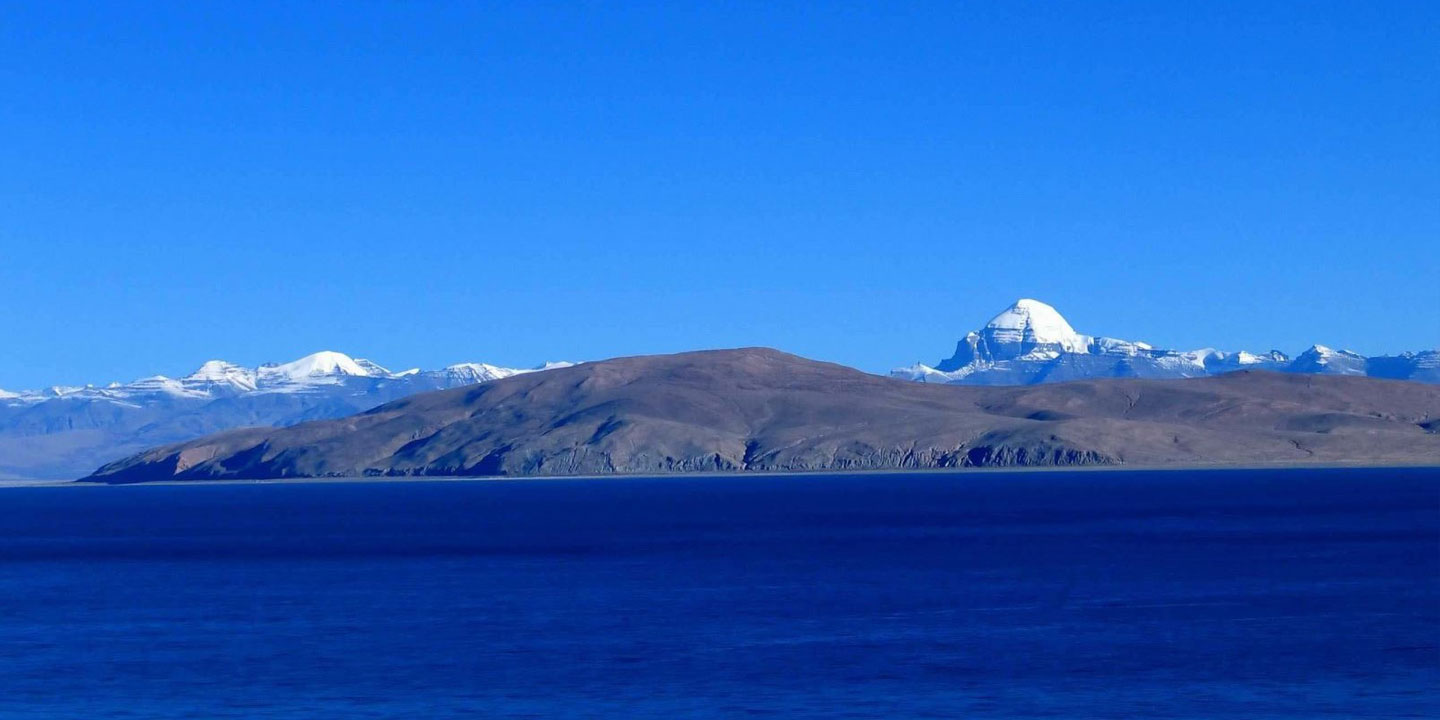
{"x":1030,"y":342}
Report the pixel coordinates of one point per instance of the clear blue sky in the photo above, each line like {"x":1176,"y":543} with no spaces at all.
{"x":425,"y":183}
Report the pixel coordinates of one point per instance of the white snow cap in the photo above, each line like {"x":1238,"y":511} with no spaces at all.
{"x":220,"y":372}
{"x":1327,"y":352}
{"x":326,"y":362}
{"x":479,"y":372}
{"x":482,"y":372}
{"x":317,"y":372}
{"x":1033,"y":321}
{"x":215,"y":370}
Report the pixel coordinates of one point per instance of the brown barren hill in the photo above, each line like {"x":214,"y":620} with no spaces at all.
{"x":758,"y":409}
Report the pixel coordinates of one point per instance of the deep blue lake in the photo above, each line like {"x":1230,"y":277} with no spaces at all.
{"x":1244,"y":594}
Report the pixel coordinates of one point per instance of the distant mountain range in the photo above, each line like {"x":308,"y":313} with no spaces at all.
{"x":66,"y":432}
{"x":757,"y":409}
{"x":1030,"y":342}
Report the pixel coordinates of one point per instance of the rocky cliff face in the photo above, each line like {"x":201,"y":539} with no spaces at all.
{"x":762,"y":410}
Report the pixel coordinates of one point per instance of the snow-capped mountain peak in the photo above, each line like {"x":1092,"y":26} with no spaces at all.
{"x":1329,"y":352}
{"x":326,"y":363}
{"x":219,"y":372}
{"x":476,"y":372}
{"x":216,"y":396}
{"x":1030,"y":342}
{"x":1027,"y":329}
{"x":473,"y":367}
{"x":317,"y":372}
{"x":1321,"y":353}
{"x":1320,"y":358}
{"x":1029,"y":324}
{"x":215,"y":371}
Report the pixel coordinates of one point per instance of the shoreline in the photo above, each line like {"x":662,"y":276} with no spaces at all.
{"x":350,"y":479}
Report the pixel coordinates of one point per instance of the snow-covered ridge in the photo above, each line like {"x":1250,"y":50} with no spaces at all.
{"x":1030,"y":342}
{"x":92,"y":425}
{"x":312,"y":373}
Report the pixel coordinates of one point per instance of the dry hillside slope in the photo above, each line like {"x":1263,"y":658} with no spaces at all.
{"x":764,"y":410}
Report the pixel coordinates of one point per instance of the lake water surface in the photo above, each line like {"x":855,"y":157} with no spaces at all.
{"x":1244,"y":594}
